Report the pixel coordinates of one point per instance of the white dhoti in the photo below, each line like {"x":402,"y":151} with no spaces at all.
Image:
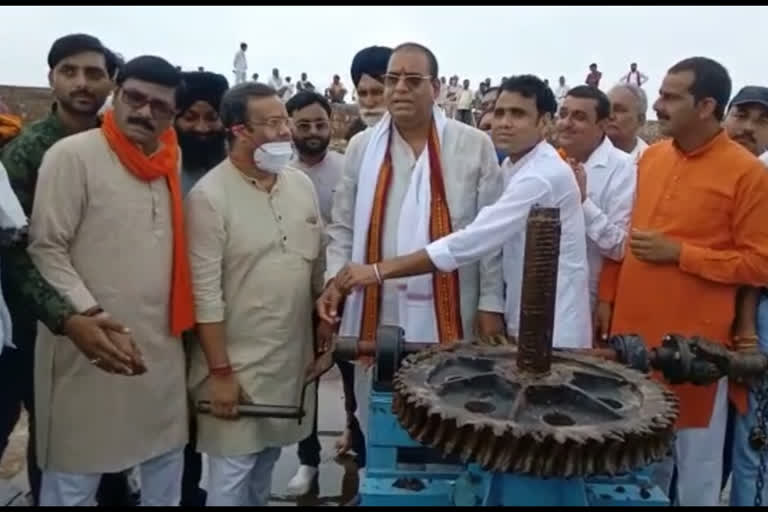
{"x":241,"y":481}
{"x":160,"y":480}
{"x":698,"y":459}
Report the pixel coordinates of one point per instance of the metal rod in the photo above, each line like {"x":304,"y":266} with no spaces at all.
{"x":537,"y":304}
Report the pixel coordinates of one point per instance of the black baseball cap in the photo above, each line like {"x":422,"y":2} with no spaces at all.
{"x":751,"y":94}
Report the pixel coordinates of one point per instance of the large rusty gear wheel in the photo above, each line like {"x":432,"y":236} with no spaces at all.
{"x":585,"y":417}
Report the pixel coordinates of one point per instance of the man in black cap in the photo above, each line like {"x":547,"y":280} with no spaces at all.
{"x":81,"y":72}
{"x":198,"y":126}
{"x":747,"y":124}
{"x":368,"y":69}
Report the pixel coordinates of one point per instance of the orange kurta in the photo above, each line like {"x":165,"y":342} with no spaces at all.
{"x":715,"y":202}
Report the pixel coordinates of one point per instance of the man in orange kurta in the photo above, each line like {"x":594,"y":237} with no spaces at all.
{"x":699,"y":231}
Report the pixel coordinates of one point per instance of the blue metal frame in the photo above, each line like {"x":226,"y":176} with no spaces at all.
{"x":391,"y":482}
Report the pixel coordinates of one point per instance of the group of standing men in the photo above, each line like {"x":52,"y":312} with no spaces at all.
{"x":183,"y":241}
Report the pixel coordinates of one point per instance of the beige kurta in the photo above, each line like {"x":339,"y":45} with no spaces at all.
{"x":102,"y":237}
{"x":472,"y":180}
{"x":257,"y":265}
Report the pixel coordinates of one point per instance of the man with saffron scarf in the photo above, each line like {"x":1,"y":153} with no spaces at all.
{"x":414,"y":156}
{"x":107,"y":232}
{"x":10,"y":125}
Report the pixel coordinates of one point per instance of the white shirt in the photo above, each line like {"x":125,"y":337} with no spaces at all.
{"x":241,"y":63}
{"x":764,"y":158}
{"x":611,"y":178}
{"x":634,"y":78}
{"x":288,"y":94}
{"x":325,"y":175}
{"x":640,"y":148}
{"x":276,"y":82}
{"x":561,"y":93}
{"x":465,"y":100}
{"x":541,"y":177}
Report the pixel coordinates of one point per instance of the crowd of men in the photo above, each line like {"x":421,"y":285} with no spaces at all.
{"x":195,"y":242}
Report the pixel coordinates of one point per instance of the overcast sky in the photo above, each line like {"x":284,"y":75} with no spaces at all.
{"x":472,"y":42}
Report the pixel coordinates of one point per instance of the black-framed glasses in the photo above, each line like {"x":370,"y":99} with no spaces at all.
{"x":137,"y":99}
{"x":412,"y":80}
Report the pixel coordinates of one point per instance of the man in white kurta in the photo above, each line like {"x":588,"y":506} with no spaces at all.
{"x":255,"y":242}
{"x":105,"y":240}
{"x":539,"y":177}
{"x":471,"y":178}
{"x":609,"y":191}
{"x":240,"y":64}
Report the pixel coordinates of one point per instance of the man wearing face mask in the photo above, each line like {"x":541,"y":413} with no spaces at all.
{"x":125,"y":253}
{"x":257,"y":261}
{"x":202,"y":142}
{"x":198,"y":126}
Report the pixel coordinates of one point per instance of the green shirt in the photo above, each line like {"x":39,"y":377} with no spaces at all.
{"x":27,"y":293}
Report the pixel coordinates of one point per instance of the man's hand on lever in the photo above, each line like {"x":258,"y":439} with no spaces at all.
{"x":105,"y":342}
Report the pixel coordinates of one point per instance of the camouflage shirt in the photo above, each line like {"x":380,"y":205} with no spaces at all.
{"x":27,"y":293}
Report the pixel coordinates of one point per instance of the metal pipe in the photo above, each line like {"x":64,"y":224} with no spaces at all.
{"x":537,"y":304}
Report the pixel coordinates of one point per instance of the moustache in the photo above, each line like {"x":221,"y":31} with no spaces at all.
{"x":82,"y":94}
{"x":141,"y":122}
{"x":661,"y":116}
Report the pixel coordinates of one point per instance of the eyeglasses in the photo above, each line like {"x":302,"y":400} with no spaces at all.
{"x":136,"y":100}
{"x":274,"y":123}
{"x":306,"y":126}
{"x":412,"y":80}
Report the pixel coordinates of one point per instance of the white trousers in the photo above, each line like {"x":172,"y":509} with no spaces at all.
{"x":698,"y":457}
{"x":242,"y":481}
{"x":239,"y":77}
{"x":160,"y":484}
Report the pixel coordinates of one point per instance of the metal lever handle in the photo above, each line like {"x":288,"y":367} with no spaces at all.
{"x":259,"y":410}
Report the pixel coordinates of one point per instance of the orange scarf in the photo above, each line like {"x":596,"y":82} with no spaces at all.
{"x":10,"y":126}
{"x":163,"y":164}
{"x":445,"y":284}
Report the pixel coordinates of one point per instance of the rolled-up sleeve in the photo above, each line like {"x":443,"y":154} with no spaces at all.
{"x":206,"y":238}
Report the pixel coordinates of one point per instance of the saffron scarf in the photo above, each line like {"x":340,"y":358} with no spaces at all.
{"x":162,"y":164}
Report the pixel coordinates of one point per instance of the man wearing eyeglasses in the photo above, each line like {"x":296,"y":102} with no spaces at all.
{"x":256,"y":238}
{"x":81,"y":71}
{"x":413,"y":177}
{"x":107,"y":232}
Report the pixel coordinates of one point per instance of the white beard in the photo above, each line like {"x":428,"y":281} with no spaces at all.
{"x":371,"y":116}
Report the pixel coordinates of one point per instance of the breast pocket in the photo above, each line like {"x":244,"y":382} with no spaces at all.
{"x":304,"y":238}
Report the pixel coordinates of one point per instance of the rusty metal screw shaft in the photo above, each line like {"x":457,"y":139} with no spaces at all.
{"x":537,"y":305}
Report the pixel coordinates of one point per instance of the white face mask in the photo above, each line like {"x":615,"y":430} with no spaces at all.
{"x":273,"y":156}
{"x":371,"y":116}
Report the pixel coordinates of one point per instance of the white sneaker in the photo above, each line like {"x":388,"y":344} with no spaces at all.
{"x":301,"y":481}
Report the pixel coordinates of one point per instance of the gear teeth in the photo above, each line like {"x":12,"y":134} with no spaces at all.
{"x":532,"y":448}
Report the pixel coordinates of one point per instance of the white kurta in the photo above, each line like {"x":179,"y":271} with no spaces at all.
{"x":542,"y":178}
{"x":103,"y":237}
{"x":611,"y":179}
{"x":472,"y":180}
{"x":257,"y":265}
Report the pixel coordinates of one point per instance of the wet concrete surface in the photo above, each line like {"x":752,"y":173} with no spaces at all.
{"x":337,"y":477}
